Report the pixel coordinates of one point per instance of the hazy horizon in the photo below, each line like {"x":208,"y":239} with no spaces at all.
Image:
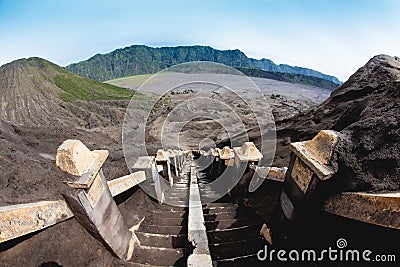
{"x":335,"y":38}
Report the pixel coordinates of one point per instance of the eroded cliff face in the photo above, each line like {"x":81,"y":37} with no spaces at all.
{"x":366,"y":110}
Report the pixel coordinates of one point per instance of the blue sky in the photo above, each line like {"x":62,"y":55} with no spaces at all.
{"x":334,"y":37}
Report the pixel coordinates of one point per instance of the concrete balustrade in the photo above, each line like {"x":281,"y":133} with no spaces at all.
{"x":197,"y":233}
{"x":227,"y":155}
{"x":174,"y":159}
{"x":164,"y":165}
{"x":311,"y":163}
{"x":248,"y":152}
{"x":120,"y":185}
{"x":379,"y":209}
{"x":271,"y":173}
{"x":22,"y":219}
{"x":92,"y":202}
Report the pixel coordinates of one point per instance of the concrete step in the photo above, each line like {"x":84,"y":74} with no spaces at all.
{"x":168,"y":230}
{"x":177,"y":193}
{"x":166,"y":207}
{"x":223,"y":210}
{"x":216,"y":210}
{"x":222,"y":204}
{"x":248,"y":260}
{"x":160,"y":256}
{"x":233,"y":234}
{"x":237,"y":248}
{"x":177,"y":203}
{"x":176,"y":197}
{"x":163,"y":240}
{"x":212,"y":194}
{"x":210,"y":198}
{"x":162,"y":221}
{"x":169,"y":214}
{"x":182,"y":183}
{"x":135,"y":264}
{"x":179,"y":190}
{"x":233,"y":223}
{"x":224,"y":216}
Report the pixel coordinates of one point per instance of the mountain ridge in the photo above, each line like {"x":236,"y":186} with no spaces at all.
{"x":142,"y":59}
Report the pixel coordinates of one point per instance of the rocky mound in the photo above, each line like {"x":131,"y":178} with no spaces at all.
{"x":366,"y":109}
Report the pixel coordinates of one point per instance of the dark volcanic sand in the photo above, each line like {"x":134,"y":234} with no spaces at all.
{"x":28,"y":170}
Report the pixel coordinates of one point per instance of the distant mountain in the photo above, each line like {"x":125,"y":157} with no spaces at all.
{"x":37,"y":92}
{"x":141,"y":59}
{"x":289,"y":77}
{"x":269,"y":65}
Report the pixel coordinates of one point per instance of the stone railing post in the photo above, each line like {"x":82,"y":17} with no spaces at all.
{"x":148,"y":165}
{"x":91,"y":201}
{"x":244,"y":156}
{"x":227,"y":155}
{"x":173,"y":156}
{"x":163,"y":162}
{"x":311,"y":162}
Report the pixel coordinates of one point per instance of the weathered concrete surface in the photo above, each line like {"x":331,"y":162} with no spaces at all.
{"x":197,"y":233}
{"x":22,"y":219}
{"x":301,"y":174}
{"x":317,"y":153}
{"x":73,"y":157}
{"x":165,"y":166}
{"x":119,"y":185}
{"x":145,"y":164}
{"x":227,"y":155}
{"x":266,"y":233}
{"x":103,"y":219}
{"x":378,"y":209}
{"x":199,"y":260}
{"x":94,"y":206}
{"x":271,"y":173}
{"x":248,"y":152}
{"x":173,"y":157}
{"x":161,"y":156}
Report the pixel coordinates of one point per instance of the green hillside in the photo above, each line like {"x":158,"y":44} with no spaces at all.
{"x":75,"y":87}
{"x":140,"y":59}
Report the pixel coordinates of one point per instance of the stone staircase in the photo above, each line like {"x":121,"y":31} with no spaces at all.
{"x":232,"y":231}
{"x":163,"y":238}
{"x":163,"y":234}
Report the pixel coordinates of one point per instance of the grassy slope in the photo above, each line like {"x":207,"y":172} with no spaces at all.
{"x":75,"y":87}
{"x":129,"y":81}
